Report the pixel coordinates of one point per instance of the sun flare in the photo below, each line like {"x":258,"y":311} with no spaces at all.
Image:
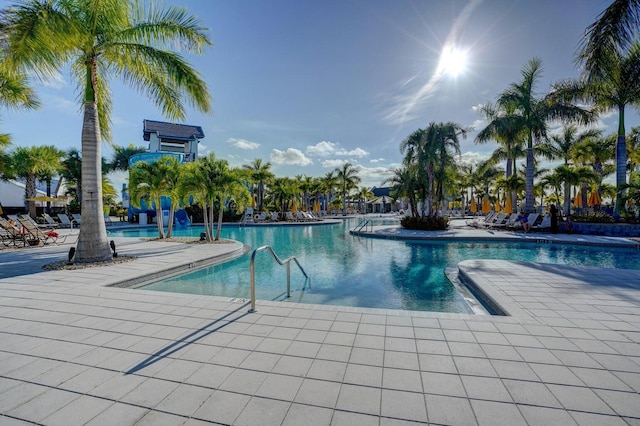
{"x":453,"y":61}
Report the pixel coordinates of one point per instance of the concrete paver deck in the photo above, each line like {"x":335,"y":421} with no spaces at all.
{"x":75,"y":351}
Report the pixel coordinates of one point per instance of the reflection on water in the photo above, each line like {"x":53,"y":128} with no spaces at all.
{"x":357,"y":271}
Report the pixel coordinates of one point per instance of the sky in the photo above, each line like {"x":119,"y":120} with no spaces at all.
{"x":308,"y":85}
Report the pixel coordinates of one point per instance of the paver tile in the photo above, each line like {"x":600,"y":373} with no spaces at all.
{"x":222,"y":407}
{"x":359,"y":399}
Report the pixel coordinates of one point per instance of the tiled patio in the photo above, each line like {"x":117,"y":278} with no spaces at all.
{"x":76,"y":352}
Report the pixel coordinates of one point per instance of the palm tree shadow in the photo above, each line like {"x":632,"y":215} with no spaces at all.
{"x":190,"y":338}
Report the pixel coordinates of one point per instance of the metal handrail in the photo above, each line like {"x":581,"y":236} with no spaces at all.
{"x":361,"y":225}
{"x":286,"y":262}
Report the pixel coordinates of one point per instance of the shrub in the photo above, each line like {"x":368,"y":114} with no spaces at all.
{"x":424,"y":223}
{"x":593,"y":217}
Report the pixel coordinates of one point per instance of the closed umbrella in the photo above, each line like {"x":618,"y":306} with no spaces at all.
{"x":496,"y":206}
{"x":508,"y":207}
{"x":594,"y":199}
{"x":577,"y":202}
{"x":486,"y":205}
{"x":473,"y":206}
{"x":294,"y":207}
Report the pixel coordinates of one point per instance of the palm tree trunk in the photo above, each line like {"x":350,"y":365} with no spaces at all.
{"x":621,"y":163}
{"x":220,"y":214}
{"x":159,"y":218}
{"x":529,"y":199}
{"x":93,"y":245}
{"x":567,"y":198}
{"x":172,"y":211}
{"x":30,"y":192}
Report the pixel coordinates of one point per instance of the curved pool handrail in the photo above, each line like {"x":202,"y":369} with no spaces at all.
{"x":286,"y":262}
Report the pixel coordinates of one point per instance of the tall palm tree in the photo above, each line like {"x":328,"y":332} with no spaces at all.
{"x":609,"y":54}
{"x":260,"y":175}
{"x":329,"y":184}
{"x":562,"y":147}
{"x":613,"y":85}
{"x":101,"y":40}
{"x":534,"y":112}
{"x":348,"y":179}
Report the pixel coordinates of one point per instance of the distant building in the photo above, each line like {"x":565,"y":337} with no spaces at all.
{"x":174,"y":138}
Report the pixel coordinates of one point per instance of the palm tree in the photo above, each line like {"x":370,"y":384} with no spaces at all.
{"x":563,"y":147}
{"x":147,"y":181}
{"x":121,"y":155}
{"x":534,"y":113}
{"x":348,"y":179}
{"x":613,"y":86}
{"x":260,"y":174}
{"x":213,"y":182}
{"x":329,"y":184}
{"x":52,"y":168}
{"x":15,"y":93}
{"x":633,"y":149}
{"x":30,"y":163}
{"x":104,"y":39}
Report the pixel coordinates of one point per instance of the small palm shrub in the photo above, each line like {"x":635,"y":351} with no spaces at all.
{"x":593,"y":217}
{"x":424,"y":223}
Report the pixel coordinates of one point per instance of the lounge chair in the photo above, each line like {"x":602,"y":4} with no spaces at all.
{"x":482,"y":220}
{"x":65,"y":221}
{"x":50,"y":221}
{"x":508,"y":223}
{"x":544,"y":225}
{"x":36,"y":234}
{"x":274,"y":216}
{"x":500,"y":219}
{"x":107,"y":220}
{"x":11,"y":235}
{"x":76,"y":217}
{"x":531,"y":219}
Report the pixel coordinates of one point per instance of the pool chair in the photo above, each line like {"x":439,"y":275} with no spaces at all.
{"x":50,"y":221}
{"x":508,"y":223}
{"x":481,"y":220}
{"x":36,"y":235}
{"x":65,"y":221}
{"x":499,"y":219}
{"x":11,"y":235}
{"x":107,"y":220}
{"x":544,"y":225}
{"x":274,"y":216}
{"x":76,"y":217}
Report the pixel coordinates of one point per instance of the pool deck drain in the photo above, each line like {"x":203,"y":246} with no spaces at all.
{"x":75,"y":351}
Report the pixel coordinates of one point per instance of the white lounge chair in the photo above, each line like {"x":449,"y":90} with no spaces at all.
{"x":544,"y":225}
{"x":77,"y":217}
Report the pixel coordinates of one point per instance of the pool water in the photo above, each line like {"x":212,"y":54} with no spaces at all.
{"x":366,"y":272}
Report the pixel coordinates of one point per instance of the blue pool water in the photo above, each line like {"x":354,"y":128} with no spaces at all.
{"x":356,"y":271}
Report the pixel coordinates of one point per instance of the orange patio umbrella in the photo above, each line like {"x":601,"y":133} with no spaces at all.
{"x":473,"y":206}
{"x":486,"y":205}
{"x":594,"y":199}
{"x":508,"y":208}
{"x":294,"y":207}
{"x":577,"y":202}
{"x":497,"y":206}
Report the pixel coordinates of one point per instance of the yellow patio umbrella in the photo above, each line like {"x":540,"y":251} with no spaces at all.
{"x":594,"y":199}
{"x":486,"y":205}
{"x":473,"y":206}
{"x":45,"y":199}
{"x":294,"y":207}
{"x":496,"y":206}
{"x":316,"y":206}
{"x":508,"y":207}
{"x":577,"y":202}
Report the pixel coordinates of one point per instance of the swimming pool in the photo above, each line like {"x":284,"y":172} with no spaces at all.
{"x":355,"y":271}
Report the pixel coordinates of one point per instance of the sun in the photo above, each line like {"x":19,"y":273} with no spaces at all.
{"x":453,"y":61}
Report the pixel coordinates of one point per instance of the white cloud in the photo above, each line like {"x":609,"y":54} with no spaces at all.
{"x":333,"y":163}
{"x":325,"y":149}
{"x":479,"y":125}
{"x":243,"y":143}
{"x":376,"y":160}
{"x":292,"y":157}
{"x":474,"y":158}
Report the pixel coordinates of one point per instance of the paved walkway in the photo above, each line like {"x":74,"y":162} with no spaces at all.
{"x":75,"y":351}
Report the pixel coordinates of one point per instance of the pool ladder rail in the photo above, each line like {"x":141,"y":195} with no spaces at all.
{"x":286,"y":263}
{"x":362,"y":225}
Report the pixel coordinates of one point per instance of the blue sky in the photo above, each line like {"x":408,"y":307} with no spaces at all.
{"x":308,"y":85}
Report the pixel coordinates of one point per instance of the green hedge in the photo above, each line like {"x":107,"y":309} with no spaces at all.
{"x":424,"y":223}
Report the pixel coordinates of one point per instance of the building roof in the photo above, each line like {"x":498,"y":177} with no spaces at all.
{"x":171,"y":130}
